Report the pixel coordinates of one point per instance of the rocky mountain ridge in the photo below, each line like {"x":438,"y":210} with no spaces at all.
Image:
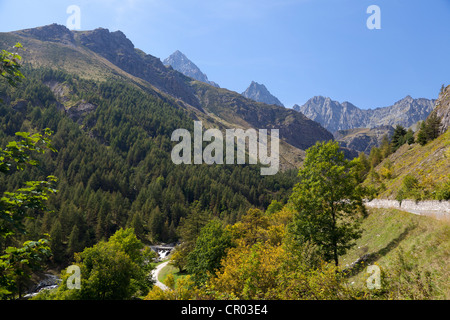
{"x":442,"y":108}
{"x":259,"y":93}
{"x":101,"y":54}
{"x":181,"y":63}
{"x":336,"y":116}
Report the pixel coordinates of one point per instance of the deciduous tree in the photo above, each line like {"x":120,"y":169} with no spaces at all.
{"x":327,"y":200}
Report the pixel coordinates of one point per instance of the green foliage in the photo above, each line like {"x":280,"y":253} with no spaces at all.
{"x":22,"y":204}
{"x":361,"y":166}
{"x":385,"y":147}
{"x":429,"y":129}
{"x":189,"y":230}
{"x":252,"y":227}
{"x":443,"y":190}
{"x":113,"y":163}
{"x":327,"y":200}
{"x":115,"y":171}
{"x":274,"y":207}
{"x":422,"y":134}
{"x":410,"y":189}
{"x":399,"y":137}
{"x":211,"y":246}
{"x":409,"y":137}
{"x":272,"y":270}
{"x":115,"y":269}
{"x":10,"y":67}
{"x":185,"y":289}
{"x":17,"y":265}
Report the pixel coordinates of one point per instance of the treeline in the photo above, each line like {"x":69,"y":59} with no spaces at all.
{"x":113,"y":165}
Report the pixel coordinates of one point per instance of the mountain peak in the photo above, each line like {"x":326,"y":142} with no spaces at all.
{"x":179,"y":53}
{"x":181,"y":63}
{"x":258,"y":92}
{"x":407,"y":99}
{"x":53,"y":33}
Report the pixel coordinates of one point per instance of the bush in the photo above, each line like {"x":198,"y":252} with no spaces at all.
{"x":410,"y":189}
{"x":443,"y":191}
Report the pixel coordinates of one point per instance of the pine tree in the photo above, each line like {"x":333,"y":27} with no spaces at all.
{"x":433,"y":124}
{"x":73,"y":243}
{"x":409,"y":137}
{"x":56,"y":243}
{"x":429,"y":129}
{"x":422,"y":135}
{"x":398,"y":138}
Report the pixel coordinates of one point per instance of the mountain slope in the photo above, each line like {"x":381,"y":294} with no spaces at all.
{"x":415,"y":171}
{"x":336,"y":116}
{"x":442,"y":108}
{"x":113,"y":163}
{"x":181,"y":63}
{"x":100,"y":55}
{"x":295,"y":128}
{"x":363,"y":139}
{"x":406,"y":247}
{"x":259,"y":93}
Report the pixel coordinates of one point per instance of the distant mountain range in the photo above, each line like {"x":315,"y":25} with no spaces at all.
{"x":336,"y":116}
{"x":100,"y":54}
{"x":354,"y":128}
{"x":259,"y":92}
{"x":181,"y":63}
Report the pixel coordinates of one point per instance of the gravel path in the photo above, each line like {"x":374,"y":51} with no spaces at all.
{"x":155,"y":275}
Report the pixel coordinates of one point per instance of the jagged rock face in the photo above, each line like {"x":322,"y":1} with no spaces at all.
{"x":342,"y":116}
{"x":258,"y":92}
{"x":405,"y":112}
{"x":112,"y":45}
{"x":181,"y":63}
{"x":53,"y":33}
{"x":442,"y":109}
{"x":119,"y":50}
{"x":331,"y":114}
{"x":363,"y":139}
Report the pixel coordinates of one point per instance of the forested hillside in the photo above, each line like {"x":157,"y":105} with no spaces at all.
{"x":113,"y":163}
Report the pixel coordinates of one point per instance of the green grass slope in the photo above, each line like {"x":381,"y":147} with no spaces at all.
{"x":429,"y":164}
{"x":413,"y":251}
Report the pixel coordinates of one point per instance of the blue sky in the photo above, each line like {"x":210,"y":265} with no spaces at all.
{"x":297,"y":48}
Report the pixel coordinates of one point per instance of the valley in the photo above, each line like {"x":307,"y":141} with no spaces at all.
{"x":94,"y":174}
